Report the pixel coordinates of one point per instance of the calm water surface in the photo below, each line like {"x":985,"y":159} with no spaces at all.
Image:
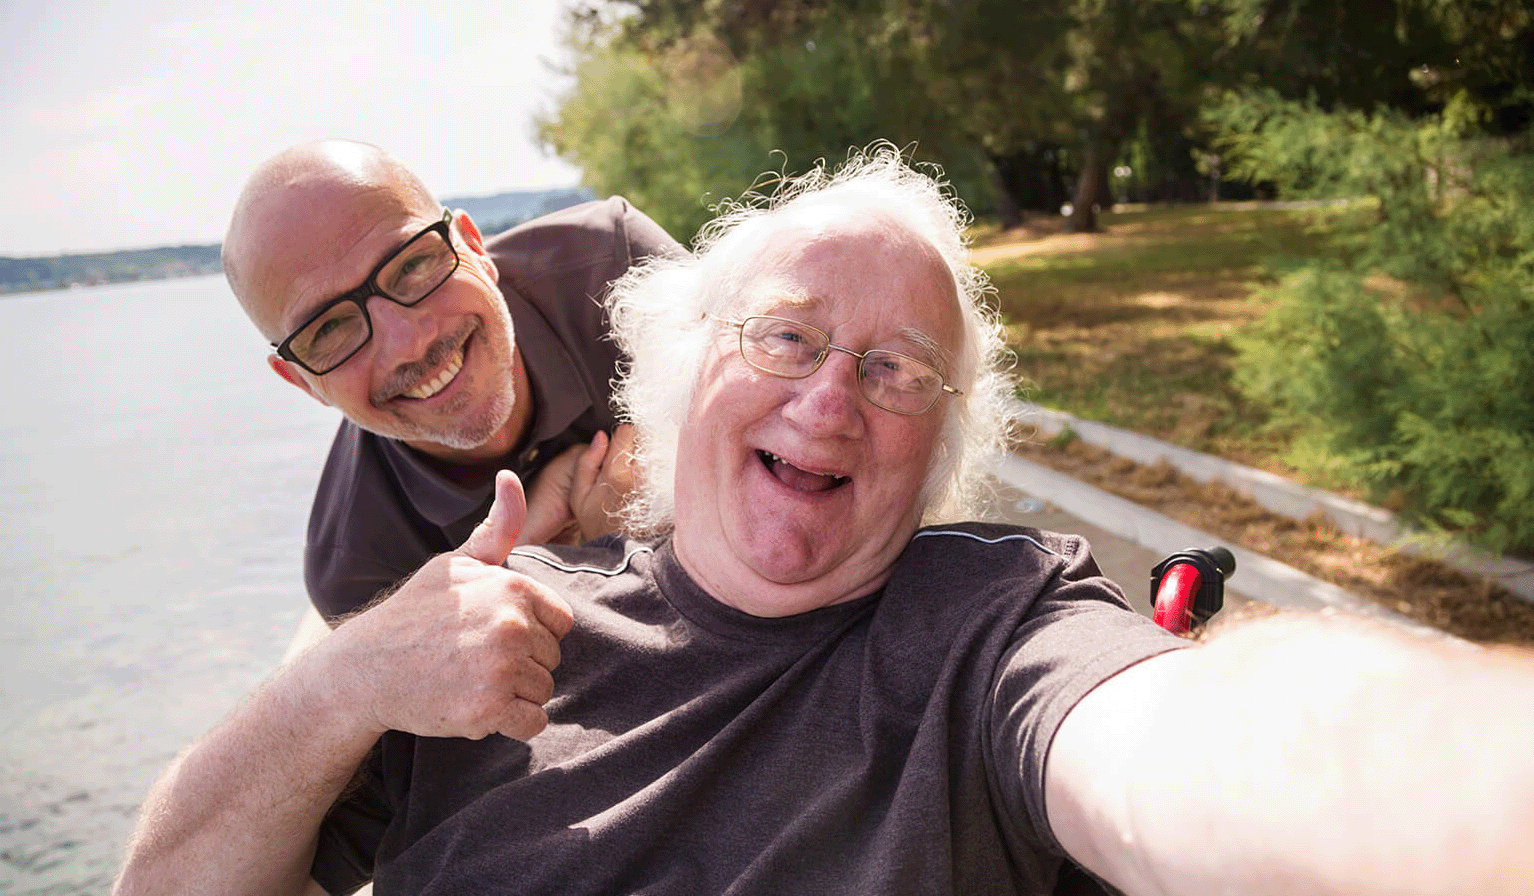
{"x":155,"y":480}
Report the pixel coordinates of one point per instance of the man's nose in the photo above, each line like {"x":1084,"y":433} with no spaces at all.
{"x":829,"y":401}
{"x":402,"y":332}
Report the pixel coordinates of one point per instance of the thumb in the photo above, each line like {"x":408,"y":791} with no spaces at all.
{"x":494,"y":538}
{"x":588,"y":466}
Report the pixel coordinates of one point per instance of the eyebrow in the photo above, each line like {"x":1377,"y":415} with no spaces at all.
{"x":936,"y":355}
{"x":372,"y":270}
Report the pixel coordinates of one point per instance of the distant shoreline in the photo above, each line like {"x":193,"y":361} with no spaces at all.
{"x":25,"y":275}
{"x":493,"y":214}
{"x":8,"y":290}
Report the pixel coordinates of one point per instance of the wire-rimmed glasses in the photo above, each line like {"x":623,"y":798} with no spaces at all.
{"x":890,"y":380}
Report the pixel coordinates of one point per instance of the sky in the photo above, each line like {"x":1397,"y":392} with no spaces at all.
{"x":129,"y":124}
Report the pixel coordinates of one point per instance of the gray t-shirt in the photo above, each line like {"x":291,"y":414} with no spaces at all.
{"x":380,"y":511}
{"x":892,"y":744}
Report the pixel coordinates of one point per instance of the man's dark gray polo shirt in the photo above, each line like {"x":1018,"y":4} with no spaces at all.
{"x":380,"y":511}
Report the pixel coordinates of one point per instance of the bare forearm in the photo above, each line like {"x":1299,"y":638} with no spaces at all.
{"x":239,"y":811}
{"x":465,"y":648}
{"x":1322,"y":756}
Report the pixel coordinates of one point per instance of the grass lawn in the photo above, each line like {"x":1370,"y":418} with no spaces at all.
{"x":1133,"y":326}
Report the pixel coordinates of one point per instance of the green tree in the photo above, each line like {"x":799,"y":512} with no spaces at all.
{"x":1414,"y":56}
{"x":1015,"y":99}
{"x":1026,"y":104}
{"x":679,"y":119}
{"x":1412,"y":360}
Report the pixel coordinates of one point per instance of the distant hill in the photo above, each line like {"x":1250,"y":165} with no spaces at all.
{"x":60,"y":271}
{"x":493,"y":214}
{"x":504,"y":211}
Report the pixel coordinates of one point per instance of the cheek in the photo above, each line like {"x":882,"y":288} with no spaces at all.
{"x":725,"y":396}
{"x":910,"y":451}
{"x":345,"y":388}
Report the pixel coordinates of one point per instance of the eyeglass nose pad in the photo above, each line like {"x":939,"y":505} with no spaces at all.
{"x":837,"y":378}
{"x":854,"y":357}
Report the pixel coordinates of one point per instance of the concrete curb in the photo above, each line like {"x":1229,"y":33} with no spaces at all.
{"x":1287,"y":498}
{"x":1257,"y":577}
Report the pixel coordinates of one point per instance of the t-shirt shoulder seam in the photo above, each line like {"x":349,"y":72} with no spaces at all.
{"x":989,"y":540}
{"x":620,"y":566}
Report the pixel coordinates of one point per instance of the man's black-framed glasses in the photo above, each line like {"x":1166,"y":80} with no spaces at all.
{"x":890,"y":380}
{"x":341,"y":327}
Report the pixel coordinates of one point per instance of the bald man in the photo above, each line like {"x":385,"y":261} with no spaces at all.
{"x":450,"y":355}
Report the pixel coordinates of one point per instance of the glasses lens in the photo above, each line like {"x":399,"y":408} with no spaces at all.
{"x":781,"y":347}
{"x":422,"y":265}
{"x":898,"y":383}
{"x":331,"y":338}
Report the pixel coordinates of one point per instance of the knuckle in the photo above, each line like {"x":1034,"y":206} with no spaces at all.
{"x":525,"y":721}
{"x":540,"y":685}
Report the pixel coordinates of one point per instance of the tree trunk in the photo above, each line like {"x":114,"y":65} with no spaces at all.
{"x":1091,"y":187}
{"x":1030,"y":178}
{"x":1006,"y":206}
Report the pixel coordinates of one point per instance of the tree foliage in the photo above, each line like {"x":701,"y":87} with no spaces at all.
{"x":1409,"y":361}
{"x":1015,"y":99}
{"x":679,"y":117}
{"x":1413,"y":359}
{"x":1027,"y":104}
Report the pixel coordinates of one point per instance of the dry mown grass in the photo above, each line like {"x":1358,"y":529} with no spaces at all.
{"x":1133,"y":327}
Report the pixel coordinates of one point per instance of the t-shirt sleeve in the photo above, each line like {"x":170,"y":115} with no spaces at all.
{"x":341,"y":582}
{"x":645,"y":237}
{"x":364,"y":537}
{"x":1080,"y":633}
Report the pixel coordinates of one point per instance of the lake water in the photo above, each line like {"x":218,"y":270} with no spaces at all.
{"x":155,"y":480}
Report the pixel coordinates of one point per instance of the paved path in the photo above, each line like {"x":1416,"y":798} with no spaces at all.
{"x":1284,"y":497}
{"x":1128,"y":540}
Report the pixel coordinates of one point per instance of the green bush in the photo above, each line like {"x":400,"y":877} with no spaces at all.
{"x":1411,"y":359}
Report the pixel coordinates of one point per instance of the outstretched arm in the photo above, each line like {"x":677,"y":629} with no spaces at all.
{"x":463,"y":649}
{"x":1304,"y":755}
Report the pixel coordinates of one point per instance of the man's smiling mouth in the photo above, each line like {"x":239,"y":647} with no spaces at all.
{"x":439,"y":382}
{"x":798,"y":479}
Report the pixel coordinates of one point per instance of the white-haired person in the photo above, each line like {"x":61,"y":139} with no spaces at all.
{"x":802,"y":675}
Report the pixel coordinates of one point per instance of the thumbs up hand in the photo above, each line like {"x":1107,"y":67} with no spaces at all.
{"x":463,"y":648}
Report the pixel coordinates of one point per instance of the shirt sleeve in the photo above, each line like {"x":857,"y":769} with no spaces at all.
{"x":1080,"y":633}
{"x":645,"y":237}
{"x":341,"y":583}
{"x":364,"y":534}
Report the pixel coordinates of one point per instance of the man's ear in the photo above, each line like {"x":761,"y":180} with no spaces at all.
{"x":469,"y":231}
{"x":291,"y":374}
{"x":472,"y":238}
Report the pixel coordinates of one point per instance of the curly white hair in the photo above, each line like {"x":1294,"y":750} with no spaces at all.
{"x":664,"y":315}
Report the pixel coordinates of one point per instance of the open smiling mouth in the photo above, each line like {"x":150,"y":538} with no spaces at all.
{"x":797,"y":479}
{"x":442,"y":380}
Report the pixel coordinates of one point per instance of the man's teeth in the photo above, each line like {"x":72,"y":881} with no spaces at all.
{"x":439,"y":382}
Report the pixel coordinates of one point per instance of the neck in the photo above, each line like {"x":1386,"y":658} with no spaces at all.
{"x":737,"y":586}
